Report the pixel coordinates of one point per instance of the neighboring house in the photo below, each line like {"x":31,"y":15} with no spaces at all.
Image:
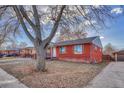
{"x":28,"y":52}
{"x":87,"y":50}
{"x":9,"y":51}
{"x":119,"y":55}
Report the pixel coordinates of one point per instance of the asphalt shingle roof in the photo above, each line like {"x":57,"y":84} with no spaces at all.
{"x":77,"y":41}
{"x":120,"y":52}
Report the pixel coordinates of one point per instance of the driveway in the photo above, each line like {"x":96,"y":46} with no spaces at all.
{"x":112,"y":76}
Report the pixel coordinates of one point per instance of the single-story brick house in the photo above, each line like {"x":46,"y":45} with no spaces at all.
{"x":9,"y":51}
{"x":28,"y":52}
{"x":87,"y":50}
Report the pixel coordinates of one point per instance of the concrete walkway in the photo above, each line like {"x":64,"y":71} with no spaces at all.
{"x":8,"y":81}
{"x":111,"y":77}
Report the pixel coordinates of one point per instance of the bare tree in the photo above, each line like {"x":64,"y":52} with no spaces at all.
{"x":16,"y":45}
{"x":2,"y":38}
{"x":5,"y":37}
{"x":109,"y":49}
{"x":6,"y":26}
{"x":12,"y":45}
{"x":70,"y":34}
{"x":22,"y":44}
{"x":33,"y":18}
{"x":40,"y":45}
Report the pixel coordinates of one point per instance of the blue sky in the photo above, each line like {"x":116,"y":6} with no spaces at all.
{"x":114,"y":34}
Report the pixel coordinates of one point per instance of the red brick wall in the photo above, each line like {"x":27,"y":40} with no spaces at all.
{"x":31,"y":53}
{"x":89,"y":54}
{"x":96,"y":54}
{"x":70,"y":56}
{"x":8,"y":51}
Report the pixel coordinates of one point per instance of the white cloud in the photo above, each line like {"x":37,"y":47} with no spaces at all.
{"x":117,"y":10}
{"x":89,"y":22}
{"x":101,"y":37}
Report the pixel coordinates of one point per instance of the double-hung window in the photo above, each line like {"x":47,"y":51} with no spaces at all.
{"x":62,"y":50}
{"x":78,"y":49}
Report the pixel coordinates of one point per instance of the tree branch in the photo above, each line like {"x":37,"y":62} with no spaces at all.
{"x":26,"y":16}
{"x":87,"y":18}
{"x":5,"y":6}
{"x":36,"y":16}
{"x":54,"y":29}
{"x":20,"y":19}
{"x":37,"y":23}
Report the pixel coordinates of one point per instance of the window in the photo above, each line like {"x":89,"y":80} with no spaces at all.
{"x":62,"y":50}
{"x":78,"y":49}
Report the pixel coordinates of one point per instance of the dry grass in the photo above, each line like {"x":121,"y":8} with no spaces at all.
{"x":7,"y":58}
{"x":59,"y":74}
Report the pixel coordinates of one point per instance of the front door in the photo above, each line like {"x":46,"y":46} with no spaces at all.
{"x":54,"y":51}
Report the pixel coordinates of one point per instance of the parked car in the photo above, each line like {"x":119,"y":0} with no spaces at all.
{"x":5,"y":55}
{"x":1,"y":55}
{"x":11,"y":55}
{"x":14,"y":55}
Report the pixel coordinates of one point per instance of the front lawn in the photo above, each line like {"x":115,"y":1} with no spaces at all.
{"x":59,"y":74}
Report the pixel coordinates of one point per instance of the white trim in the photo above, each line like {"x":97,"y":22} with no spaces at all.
{"x":82,"y":46}
{"x":116,"y":57}
{"x":97,"y":42}
{"x":54,"y":52}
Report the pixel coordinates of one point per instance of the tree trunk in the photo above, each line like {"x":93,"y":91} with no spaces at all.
{"x":41,"y":56}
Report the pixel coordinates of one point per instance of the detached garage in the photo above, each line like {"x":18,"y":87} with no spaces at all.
{"x":119,"y":56}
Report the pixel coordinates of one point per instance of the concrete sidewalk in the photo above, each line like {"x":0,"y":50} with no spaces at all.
{"x":111,"y":77}
{"x":8,"y":81}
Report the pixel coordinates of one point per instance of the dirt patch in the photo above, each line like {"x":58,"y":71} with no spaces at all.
{"x":59,"y":74}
